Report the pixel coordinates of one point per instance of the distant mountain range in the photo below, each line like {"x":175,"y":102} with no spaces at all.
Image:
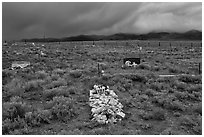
{"x":189,"y":35}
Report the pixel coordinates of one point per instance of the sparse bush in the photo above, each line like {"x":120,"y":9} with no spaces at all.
{"x":137,"y":77}
{"x":144,"y":66}
{"x":48,"y":94}
{"x":57,"y":83}
{"x":121,"y":89}
{"x":187,"y":121}
{"x":41,"y":74}
{"x":155,"y":86}
{"x":100,"y":131}
{"x":195,"y":88}
{"x":126,"y":83}
{"x":180,"y":95}
{"x":38,"y":117}
{"x":15,"y":87}
{"x":71,"y":132}
{"x":8,"y":125}
{"x":150,"y":92}
{"x":174,"y":70}
{"x":170,"y":131}
{"x":75,"y":73}
{"x":72,"y":90}
{"x":151,"y":75}
{"x":103,"y":66}
{"x":181,"y":86}
{"x":174,"y":105}
{"x":190,"y":79}
{"x":33,"y":85}
{"x":13,"y":110}
{"x":156,"y":68}
{"x":131,"y":132}
{"x":6,"y":76}
{"x":54,"y":77}
{"x":62,"y":108}
{"x":15,"y":99}
{"x":58,"y":71}
{"x":106,"y":77}
{"x":22,"y":131}
{"x":197,"y":108}
{"x":158,"y":114}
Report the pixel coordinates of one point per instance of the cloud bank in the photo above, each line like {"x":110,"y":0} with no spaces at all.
{"x":32,"y":20}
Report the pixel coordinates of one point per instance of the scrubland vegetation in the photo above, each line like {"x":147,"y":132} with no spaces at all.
{"x":51,"y":96}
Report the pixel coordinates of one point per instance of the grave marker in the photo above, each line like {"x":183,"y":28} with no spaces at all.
{"x":132,"y":60}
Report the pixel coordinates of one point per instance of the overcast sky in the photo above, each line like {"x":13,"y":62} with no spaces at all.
{"x":32,"y":20}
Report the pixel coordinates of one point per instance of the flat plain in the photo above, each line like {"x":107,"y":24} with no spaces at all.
{"x":161,"y":95}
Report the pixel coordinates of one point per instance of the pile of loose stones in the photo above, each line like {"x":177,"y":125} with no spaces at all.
{"x":105,"y":106}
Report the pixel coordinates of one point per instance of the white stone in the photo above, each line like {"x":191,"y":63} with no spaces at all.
{"x":121,"y":114}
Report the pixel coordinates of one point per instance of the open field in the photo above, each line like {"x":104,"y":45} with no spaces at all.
{"x":162,"y":95}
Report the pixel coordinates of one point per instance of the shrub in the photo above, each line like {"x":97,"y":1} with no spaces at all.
{"x":158,"y":114}
{"x":155,"y":86}
{"x":6,"y":76}
{"x":131,"y":132}
{"x":137,"y":77}
{"x":6,"y":126}
{"x":23,"y":131}
{"x":144,"y":66}
{"x":197,"y":108}
{"x":180,"y":95}
{"x":174,"y":70}
{"x":181,"y":86}
{"x":187,"y":121}
{"x":195,"y":88}
{"x":57,"y":83}
{"x":170,"y":131}
{"x":54,"y":77}
{"x":174,"y":105}
{"x":127,"y":84}
{"x":62,"y":108}
{"x":151,"y":75}
{"x":150,"y":92}
{"x":33,"y":85}
{"x":15,"y":87}
{"x":72,"y":90}
{"x":103,"y":66}
{"x":48,"y":94}
{"x":9,"y":125}
{"x":59,"y":71}
{"x":156,"y":68}
{"x":71,"y":132}
{"x":38,"y":117}
{"x":100,"y":131}
{"x":106,"y":77}
{"x":75,"y":73}
{"x":15,"y":99}
{"x":190,"y":79}
{"x":13,"y":110}
{"x":41,"y":74}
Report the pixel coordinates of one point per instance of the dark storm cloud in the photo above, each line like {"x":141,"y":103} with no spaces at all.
{"x":28,"y":20}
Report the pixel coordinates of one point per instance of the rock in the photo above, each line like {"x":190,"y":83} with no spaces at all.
{"x":105,"y":105}
{"x":20,"y":64}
